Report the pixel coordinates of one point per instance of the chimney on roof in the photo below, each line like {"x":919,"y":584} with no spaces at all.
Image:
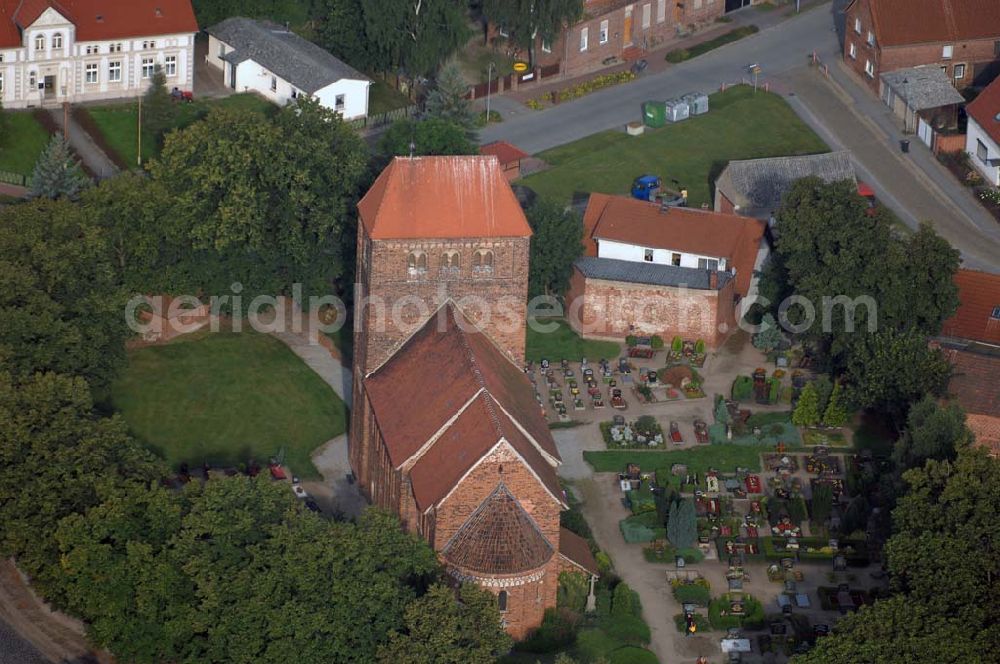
{"x":713,"y":280}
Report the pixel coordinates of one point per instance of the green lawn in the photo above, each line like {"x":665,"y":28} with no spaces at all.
{"x":224,"y":397}
{"x":119,"y":123}
{"x":564,"y":343}
{"x":23,"y":140}
{"x":740,"y":125}
{"x":383,"y":98}
{"x":724,"y":458}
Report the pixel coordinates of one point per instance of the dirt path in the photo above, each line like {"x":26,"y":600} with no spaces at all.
{"x":56,"y":636}
{"x":602,"y":507}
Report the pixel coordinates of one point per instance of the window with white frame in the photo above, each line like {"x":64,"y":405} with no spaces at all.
{"x":603,"y":36}
{"x":546,"y":46}
{"x":857,"y":25}
{"x":57,"y":40}
{"x":584,"y":36}
{"x":852,"y":50}
{"x":40,"y":43}
{"x":115,"y":71}
{"x":170,"y":65}
{"x":93,"y":49}
{"x":996,"y":313}
{"x":871,"y":38}
{"x":708,"y":264}
{"x":947,"y":51}
{"x":90,"y":72}
{"x":146,"y":45}
{"x":339,"y":102}
{"x":148,"y":65}
{"x":661,"y":11}
{"x":869,"y":69}
{"x":646,"y":14}
{"x":982,"y":152}
{"x":115,"y":48}
{"x":647,"y":255}
{"x":32,"y":81}
{"x":959,"y":71}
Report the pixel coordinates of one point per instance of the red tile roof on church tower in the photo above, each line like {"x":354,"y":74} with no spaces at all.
{"x":500,"y":537}
{"x":465,"y":391}
{"x":97,"y":20}
{"x":442,"y":197}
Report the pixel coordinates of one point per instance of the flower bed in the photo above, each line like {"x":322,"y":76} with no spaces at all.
{"x":695,"y":591}
{"x":581,"y":89}
{"x":646,"y":426}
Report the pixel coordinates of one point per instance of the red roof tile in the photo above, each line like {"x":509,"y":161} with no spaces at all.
{"x":498,"y":538}
{"x":100,"y":19}
{"x":978,"y":295}
{"x":446,"y":367}
{"x":632,"y":221}
{"x":575,"y":549}
{"x":974,"y":381}
{"x":902,"y":22}
{"x":504,"y":152}
{"x":985,"y":110}
{"x":442,"y":197}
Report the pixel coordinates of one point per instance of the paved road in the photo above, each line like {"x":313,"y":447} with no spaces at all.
{"x":777,"y":49}
{"x":15,"y":650}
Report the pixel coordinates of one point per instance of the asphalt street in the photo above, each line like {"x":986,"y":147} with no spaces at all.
{"x":845,"y":114}
{"x":15,"y":650}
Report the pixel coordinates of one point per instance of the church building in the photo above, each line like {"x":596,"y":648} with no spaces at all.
{"x":446,"y":431}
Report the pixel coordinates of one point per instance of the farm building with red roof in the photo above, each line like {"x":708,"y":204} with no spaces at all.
{"x":958,"y":36}
{"x":82,"y":50}
{"x":446,"y":430}
{"x":650,"y":270}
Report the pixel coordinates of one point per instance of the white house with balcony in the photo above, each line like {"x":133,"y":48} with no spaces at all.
{"x":274,"y":62}
{"x":83,"y":50}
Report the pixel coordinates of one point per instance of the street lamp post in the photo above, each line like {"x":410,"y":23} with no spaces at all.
{"x":489,"y":87}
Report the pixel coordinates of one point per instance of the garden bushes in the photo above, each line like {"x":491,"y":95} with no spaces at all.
{"x":742,"y":388}
{"x":752,"y":617}
{"x":692,"y":592}
{"x":572,"y":592}
{"x":557,"y":631}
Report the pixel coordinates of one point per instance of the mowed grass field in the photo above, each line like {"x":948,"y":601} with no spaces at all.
{"x":23,"y":139}
{"x":724,"y":458}
{"x":226,"y":397}
{"x":564,"y":344}
{"x":739,"y":125}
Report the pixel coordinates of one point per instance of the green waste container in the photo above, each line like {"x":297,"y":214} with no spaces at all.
{"x":654,"y":113}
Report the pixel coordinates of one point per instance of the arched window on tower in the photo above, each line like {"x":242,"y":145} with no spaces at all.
{"x":502,"y":600}
{"x":451,"y":263}
{"x":416,"y":264}
{"x":482,"y":261}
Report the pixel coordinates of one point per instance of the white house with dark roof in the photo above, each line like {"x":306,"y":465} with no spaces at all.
{"x":273,"y":61}
{"x":982,"y":140}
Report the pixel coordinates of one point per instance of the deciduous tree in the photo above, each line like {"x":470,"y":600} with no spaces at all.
{"x":444,"y":629}
{"x":932,"y":431}
{"x":528,"y":20}
{"x":430,"y":136}
{"x":556,"y":242}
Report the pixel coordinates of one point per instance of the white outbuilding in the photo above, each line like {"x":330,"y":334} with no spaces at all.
{"x":273,"y":61}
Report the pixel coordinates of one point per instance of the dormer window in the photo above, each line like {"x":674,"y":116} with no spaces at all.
{"x":40,"y":43}
{"x":416,"y":264}
{"x":482,"y":261}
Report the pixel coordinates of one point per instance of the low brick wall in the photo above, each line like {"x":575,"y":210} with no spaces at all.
{"x":949,"y":143}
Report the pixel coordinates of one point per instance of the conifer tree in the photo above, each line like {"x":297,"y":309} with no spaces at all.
{"x":57,"y":174}
{"x":447,"y":100}
{"x":836,"y":413}
{"x":807,"y":409}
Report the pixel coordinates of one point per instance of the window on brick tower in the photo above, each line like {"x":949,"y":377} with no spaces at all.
{"x":482,"y":261}
{"x":996,"y":313}
{"x":502,"y":600}
{"x":450,"y":262}
{"x":416,"y":263}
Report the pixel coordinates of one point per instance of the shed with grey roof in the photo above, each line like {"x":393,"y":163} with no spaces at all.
{"x":755,"y":187}
{"x":924,"y":100}
{"x":271,"y":60}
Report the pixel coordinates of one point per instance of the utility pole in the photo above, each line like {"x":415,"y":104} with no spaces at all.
{"x":138,"y":133}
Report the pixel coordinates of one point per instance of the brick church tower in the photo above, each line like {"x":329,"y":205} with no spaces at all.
{"x":446,"y":431}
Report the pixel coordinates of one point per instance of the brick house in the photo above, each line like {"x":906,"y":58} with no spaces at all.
{"x":442,"y":245}
{"x":668,"y":271}
{"x":982,"y":138}
{"x":619,"y":30}
{"x":962,"y":37}
{"x":53,"y":51}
